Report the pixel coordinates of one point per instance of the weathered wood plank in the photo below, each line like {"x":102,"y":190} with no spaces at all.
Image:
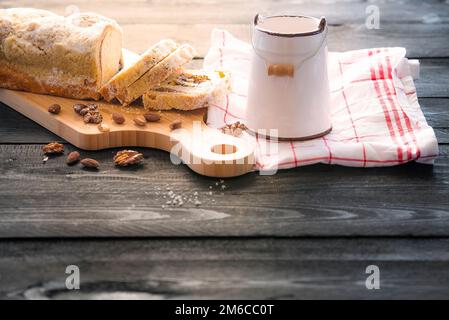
{"x":55,"y":200}
{"x":442,"y":135}
{"x":411,"y":24}
{"x":220,"y":269}
{"x":434,"y":78}
{"x":140,"y":214}
{"x":16,"y":128}
{"x":436,"y":111}
{"x":318,"y":200}
{"x":415,"y":37}
{"x":242,"y":12}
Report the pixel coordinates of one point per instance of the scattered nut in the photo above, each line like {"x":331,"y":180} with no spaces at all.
{"x":78,"y":107}
{"x":90,"y":163}
{"x":73,"y":157}
{"x":53,"y":148}
{"x":176,"y":124}
{"x":84,"y":111}
{"x":226,"y":130}
{"x":234,"y":129}
{"x":90,"y":112}
{"x":54,"y":108}
{"x":237,"y":132}
{"x":152,"y":116}
{"x":118,"y":118}
{"x":140,"y":121}
{"x":103,"y":127}
{"x":92,"y":107}
{"x":128,"y":157}
{"x":89,"y":109}
{"x":93,"y":117}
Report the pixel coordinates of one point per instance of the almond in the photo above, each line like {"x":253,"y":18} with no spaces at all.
{"x":176,"y":124}
{"x":140,"y":121}
{"x":78,"y":107}
{"x":102,"y":127}
{"x":90,"y":163}
{"x":54,"y":108}
{"x":118,"y":118}
{"x":152,"y":116}
{"x":73,"y":157}
{"x":84,"y":111}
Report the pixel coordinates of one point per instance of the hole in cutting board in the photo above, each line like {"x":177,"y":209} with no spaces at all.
{"x":224,"y":149}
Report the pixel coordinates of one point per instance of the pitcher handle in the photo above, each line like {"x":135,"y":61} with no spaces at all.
{"x":286,"y":69}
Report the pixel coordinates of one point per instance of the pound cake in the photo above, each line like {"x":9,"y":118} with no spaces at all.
{"x":188,"y":90}
{"x":71,"y":56}
{"x":156,"y":75}
{"x":128,"y":76}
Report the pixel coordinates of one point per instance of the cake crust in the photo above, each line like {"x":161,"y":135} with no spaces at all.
{"x":156,"y":75}
{"x":189,"y":90}
{"x":46,"y":53}
{"x":128,"y":76}
{"x":15,"y":79}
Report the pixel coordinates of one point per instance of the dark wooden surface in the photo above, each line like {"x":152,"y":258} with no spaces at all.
{"x":308,"y":232}
{"x":225,"y":268}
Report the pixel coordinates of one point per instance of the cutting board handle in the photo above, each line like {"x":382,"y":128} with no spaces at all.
{"x":211,"y":153}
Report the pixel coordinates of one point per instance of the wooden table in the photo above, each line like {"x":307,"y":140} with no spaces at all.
{"x":308,"y":232}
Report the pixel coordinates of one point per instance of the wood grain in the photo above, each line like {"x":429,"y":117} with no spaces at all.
{"x":224,"y":269}
{"x":410,"y":24}
{"x":434,"y":78}
{"x":320,"y":200}
{"x":415,"y":37}
{"x":316,"y":201}
{"x":241,"y":12}
{"x":436,"y":111}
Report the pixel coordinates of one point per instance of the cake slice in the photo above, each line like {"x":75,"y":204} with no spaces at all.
{"x":132,"y":73}
{"x":156,"y":75}
{"x":188,"y":90}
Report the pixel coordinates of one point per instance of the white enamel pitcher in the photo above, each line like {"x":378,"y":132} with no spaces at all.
{"x":288,"y":86}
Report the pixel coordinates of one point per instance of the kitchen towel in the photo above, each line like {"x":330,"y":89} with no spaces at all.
{"x":376,"y":117}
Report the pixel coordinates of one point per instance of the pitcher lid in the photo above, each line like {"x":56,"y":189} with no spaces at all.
{"x":291,"y":26}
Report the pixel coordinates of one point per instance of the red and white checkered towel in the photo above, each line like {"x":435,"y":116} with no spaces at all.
{"x":376,"y":118}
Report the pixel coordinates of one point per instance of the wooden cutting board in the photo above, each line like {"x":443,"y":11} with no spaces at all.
{"x":206,"y":151}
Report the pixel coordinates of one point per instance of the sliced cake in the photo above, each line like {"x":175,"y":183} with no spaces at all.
{"x":157,"y":74}
{"x":188,"y":90}
{"x":132,"y":73}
